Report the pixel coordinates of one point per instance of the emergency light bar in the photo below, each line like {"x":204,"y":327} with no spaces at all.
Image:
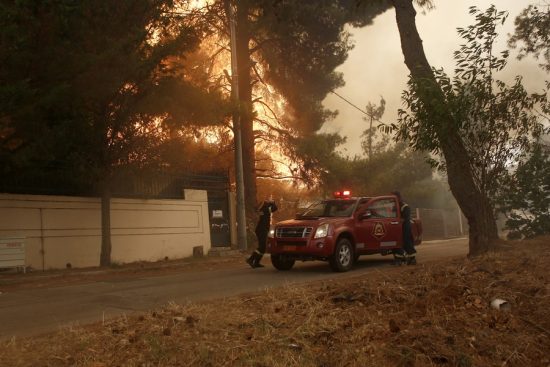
{"x":342,"y":194}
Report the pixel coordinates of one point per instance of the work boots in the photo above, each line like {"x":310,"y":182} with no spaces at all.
{"x":257,"y":263}
{"x":254,"y":260}
{"x":250,"y":260}
{"x":399,"y":259}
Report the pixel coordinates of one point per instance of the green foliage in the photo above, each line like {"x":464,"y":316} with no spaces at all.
{"x":533,"y":33}
{"x":294,"y":48}
{"x":190,"y":153}
{"x":312,"y":156}
{"x":312,"y":36}
{"x":91,"y":86}
{"x":393,"y":168}
{"x":495,"y":120}
{"x":526,"y":199}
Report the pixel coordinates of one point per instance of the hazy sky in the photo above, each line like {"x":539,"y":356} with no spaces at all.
{"x":375,"y":66}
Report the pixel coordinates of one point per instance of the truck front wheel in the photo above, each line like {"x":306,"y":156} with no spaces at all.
{"x":342,"y":259}
{"x":281,"y":262}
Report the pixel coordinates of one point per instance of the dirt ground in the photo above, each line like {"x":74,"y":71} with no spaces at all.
{"x":433,"y":314}
{"x":12,"y":280}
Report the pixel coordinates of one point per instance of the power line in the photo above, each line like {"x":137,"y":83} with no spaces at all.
{"x":354,"y":106}
{"x":351,"y":104}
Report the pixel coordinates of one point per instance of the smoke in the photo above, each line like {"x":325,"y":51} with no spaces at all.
{"x":375,"y":66}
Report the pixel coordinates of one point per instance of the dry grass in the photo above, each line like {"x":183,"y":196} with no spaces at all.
{"x":428,"y":315}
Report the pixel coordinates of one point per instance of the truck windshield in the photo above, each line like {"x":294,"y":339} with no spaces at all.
{"x":330,"y":208}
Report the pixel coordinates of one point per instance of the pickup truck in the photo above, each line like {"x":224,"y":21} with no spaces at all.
{"x":339,"y":231}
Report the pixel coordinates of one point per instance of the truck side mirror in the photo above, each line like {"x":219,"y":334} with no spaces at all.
{"x":365,"y":215}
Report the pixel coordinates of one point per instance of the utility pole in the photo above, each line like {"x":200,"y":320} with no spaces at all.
{"x":370,"y":137}
{"x":239,"y":176}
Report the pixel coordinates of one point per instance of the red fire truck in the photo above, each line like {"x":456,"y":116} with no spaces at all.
{"x":340,"y":230}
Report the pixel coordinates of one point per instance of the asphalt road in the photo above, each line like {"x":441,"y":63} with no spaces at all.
{"x":37,"y":311}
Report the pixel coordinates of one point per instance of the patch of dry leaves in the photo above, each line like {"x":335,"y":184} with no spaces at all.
{"x":429,"y":315}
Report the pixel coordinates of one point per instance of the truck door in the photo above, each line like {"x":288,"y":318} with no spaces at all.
{"x":381,"y":229}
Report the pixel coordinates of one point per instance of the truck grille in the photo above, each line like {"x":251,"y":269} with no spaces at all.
{"x":292,"y":243}
{"x":293,"y":232}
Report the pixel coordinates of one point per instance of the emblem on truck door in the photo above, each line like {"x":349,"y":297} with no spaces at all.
{"x":379,"y":231}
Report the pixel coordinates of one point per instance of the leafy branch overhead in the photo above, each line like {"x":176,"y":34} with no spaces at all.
{"x":532,"y":33}
{"x":474,"y":124}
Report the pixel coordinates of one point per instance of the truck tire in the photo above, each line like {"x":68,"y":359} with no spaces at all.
{"x":342,"y":259}
{"x":281,"y":262}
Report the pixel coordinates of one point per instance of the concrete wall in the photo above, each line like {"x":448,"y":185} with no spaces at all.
{"x":442,"y":223}
{"x":61,"y":230}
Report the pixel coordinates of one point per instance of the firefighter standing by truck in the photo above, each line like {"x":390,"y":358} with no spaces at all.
{"x":262,"y":229}
{"x":407,"y":254}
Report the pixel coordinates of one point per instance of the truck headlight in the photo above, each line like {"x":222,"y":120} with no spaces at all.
{"x":271,"y":233}
{"x":322,"y":231}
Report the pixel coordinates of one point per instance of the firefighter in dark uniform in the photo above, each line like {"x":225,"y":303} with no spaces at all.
{"x":407,"y":254}
{"x":262,"y":230}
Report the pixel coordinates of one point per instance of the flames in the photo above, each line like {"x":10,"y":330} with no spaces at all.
{"x":269,"y":105}
{"x":214,"y":59}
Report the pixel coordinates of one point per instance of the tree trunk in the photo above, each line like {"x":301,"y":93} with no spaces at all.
{"x":473,"y":202}
{"x":245,"y":96}
{"x":105,"y":256}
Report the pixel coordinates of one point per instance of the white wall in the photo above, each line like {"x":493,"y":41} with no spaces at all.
{"x":61,"y":229}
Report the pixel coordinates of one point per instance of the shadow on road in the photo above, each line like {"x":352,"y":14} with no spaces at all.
{"x":363,"y":263}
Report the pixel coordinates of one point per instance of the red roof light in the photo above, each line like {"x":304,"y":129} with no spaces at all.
{"x":342,"y":194}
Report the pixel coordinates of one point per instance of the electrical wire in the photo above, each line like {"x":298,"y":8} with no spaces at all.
{"x":351,"y":104}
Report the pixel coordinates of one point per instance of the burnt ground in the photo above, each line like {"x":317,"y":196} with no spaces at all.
{"x":432,"y":314}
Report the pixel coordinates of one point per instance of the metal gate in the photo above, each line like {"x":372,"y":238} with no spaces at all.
{"x":218,"y":209}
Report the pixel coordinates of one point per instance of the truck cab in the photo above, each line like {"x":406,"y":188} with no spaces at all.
{"x":339,"y":230}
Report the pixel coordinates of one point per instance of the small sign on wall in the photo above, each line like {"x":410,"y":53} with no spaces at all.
{"x":217,"y":213}
{"x":12,"y":252}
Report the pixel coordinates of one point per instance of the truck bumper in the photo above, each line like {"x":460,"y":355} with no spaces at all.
{"x":314,"y":248}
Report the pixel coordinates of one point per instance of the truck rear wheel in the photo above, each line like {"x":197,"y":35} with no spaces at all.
{"x":342,"y":259}
{"x":281,"y":262}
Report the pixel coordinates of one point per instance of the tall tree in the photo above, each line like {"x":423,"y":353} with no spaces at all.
{"x":458,"y":119}
{"x":461,"y":180}
{"x":293,"y":48}
{"x":103,"y":102}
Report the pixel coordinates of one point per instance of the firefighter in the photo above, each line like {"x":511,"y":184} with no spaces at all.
{"x":262,"y":229}
{"x":407,"y":254}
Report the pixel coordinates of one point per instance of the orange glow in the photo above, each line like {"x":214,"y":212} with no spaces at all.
{"x":268,"y":108}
